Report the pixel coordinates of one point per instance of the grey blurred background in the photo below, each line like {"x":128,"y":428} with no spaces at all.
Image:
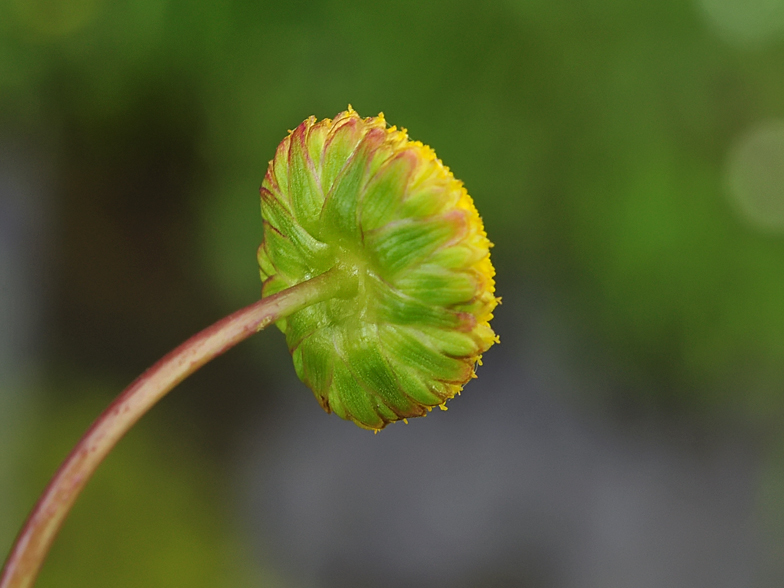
{"x":628,"y":160}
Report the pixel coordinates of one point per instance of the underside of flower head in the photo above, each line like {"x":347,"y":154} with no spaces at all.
{"x":358,"y":195}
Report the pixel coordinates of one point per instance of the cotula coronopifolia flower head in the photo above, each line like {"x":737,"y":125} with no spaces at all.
{"x":356,"y":194}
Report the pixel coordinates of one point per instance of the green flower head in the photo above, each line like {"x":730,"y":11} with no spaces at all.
{"x":405,"y":336}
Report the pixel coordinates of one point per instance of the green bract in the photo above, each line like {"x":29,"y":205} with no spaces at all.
{"x":405,"y":237}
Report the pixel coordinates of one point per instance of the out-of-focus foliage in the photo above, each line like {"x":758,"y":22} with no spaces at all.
{"x":594,"y":138}
{"x":148,"y":518}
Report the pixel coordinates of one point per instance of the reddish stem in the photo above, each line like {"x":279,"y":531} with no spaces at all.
{"x":40,"y":529}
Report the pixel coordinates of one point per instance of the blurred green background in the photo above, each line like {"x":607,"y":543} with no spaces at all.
{"x":627,"y":158}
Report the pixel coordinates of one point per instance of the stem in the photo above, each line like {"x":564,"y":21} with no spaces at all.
{"x":40,"y":529}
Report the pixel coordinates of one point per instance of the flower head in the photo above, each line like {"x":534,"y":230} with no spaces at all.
{"x":353,"y":193}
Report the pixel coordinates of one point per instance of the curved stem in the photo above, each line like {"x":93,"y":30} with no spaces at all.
{"x":40,"y":529}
